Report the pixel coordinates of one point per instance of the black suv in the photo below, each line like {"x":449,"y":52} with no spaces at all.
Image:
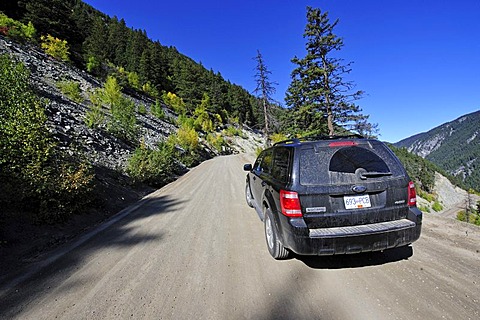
{"x":332,"y":195}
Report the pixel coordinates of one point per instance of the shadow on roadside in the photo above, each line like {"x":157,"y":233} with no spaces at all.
{"x":121,"y":231}
{"x":359,"y":260}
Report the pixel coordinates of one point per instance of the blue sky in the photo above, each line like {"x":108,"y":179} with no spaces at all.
{"x":417,"y":60}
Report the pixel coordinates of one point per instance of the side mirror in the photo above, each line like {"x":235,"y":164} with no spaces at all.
{"x":247,"y":167}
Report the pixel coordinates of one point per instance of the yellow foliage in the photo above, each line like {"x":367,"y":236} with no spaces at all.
{"x":187,"y":138}
{"x":55,"y":47}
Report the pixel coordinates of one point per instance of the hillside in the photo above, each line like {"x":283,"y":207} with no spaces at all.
{"x":106,"y":154}
{"x":453,"y":146}
{"x":437,"y":191}
{"x":104,"y":45}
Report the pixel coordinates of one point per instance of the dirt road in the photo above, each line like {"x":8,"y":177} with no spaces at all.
{"x":195,"y":250}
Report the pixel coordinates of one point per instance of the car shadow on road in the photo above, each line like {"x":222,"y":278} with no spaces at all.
{"x":358,"y":260}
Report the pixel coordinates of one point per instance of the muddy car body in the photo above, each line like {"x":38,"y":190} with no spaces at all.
{"x":332,"y":195}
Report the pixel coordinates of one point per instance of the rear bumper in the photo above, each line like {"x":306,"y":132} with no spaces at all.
{"x":355,"y":239}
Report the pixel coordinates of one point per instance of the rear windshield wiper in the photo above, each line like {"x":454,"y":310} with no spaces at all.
{"x":374,"y":174}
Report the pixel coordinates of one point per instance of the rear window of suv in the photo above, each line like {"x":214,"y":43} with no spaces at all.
{"x":330,"y":165}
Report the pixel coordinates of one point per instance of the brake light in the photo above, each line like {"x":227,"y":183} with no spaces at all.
{"x":290,"y":204}
{"x":412,"y":194}
{"x":342,"y":144}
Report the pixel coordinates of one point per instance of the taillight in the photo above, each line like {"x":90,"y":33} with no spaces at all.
{"x":290,"y":204}
{"x":412,"y":194}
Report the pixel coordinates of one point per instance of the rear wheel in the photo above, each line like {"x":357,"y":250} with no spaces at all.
{"x":248,"y":195}
{"x":276,"y":249}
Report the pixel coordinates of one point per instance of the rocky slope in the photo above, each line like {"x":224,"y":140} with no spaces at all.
{"x":452,"y":198}
{"x":22,"y":239}
{"x":66,"y":118}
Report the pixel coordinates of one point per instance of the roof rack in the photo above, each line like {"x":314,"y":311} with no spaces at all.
{"x":322,"y":137}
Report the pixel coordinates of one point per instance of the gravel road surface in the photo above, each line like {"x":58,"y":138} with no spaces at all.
{"x":195,"y":250}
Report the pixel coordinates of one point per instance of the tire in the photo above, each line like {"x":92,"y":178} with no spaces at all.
{"x":248,"y":195}
{"x":276,"y":249}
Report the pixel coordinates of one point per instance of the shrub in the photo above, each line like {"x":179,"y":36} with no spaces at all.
{"x":424,"y":208}
{"x":157,"y":110}
{"x":150,"y":90}
{"x":425,"y":195}
{"x":15,"y":29}
{"x":174,"y":102}
{"x":55,"y":47}
{"x":71,"y":89}
{"x":34,"y":174}
{"x":231,"y":131}
{"x":25,"y":143}
{"x":111,"y":94}
{"x":142,"y":109}
{"x":155,"y":167}
{"x":123,"y":123}
{"x":437,"y":206}
{"x":277,"y":137}
{"x":186,"y":121}
{"x":216,"y":141}
{"x":133,"y":80}
{"x":93,"y":65}
{"x":65,"y":190}
{"x":187,"y":138}
{"x":95,"y":116}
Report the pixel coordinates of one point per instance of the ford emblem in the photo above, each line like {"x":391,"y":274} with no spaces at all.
{"x":359,"y":189}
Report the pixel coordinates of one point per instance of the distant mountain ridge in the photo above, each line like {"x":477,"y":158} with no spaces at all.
{"x":453,"y":146}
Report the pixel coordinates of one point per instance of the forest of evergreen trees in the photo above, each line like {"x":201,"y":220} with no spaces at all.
{"x":103,"y":44}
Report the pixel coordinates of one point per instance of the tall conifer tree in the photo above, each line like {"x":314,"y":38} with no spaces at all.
{"x":318,"y":90}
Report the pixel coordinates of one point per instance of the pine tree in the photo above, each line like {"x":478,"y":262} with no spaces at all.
{"x":265,"y":89}
{"x":318,"y":90}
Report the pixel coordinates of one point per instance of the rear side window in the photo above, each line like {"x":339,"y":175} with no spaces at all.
{"x":281,"y":163}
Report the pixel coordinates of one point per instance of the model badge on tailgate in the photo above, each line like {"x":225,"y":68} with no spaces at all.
{"x":316,"y":209}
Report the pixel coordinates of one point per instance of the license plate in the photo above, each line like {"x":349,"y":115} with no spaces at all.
{"x":357,"y":202}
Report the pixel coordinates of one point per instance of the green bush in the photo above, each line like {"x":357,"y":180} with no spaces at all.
{"x":424,"y":208}
{"x":122,"y":122}
{"x":232,"y":131}
{"x":71,"y":89}
{"x":55,"y":47}
{"x":187,"y":138}
{"x":175,"y":102}
{"x":427,"y":196}
{"x":157,"y":110}
{"x":95,"y":117}
{"x":93,"y":65}
{"x":65,"y":190}
{"x":155,"y":167}
{"x":186,"y":121}
{"x":142,"y":109}
{"x":16,"y":29}
{"x":437,"y":206}
{"x":25,"y":143}
{"x":216,"y":141}
{"x":33,"y":173}
{"x":150,"y":90}
{"x":277,"y":137}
